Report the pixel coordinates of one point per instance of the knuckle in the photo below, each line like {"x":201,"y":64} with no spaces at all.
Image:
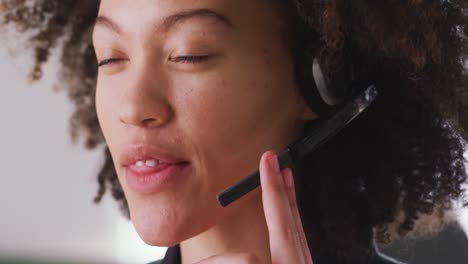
{"x":291,"y":237}
{"x":276,"y":189}
{"x":292,"y":202}
{"x":284,"y":237}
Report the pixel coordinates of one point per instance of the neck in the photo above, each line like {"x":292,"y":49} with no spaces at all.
{"x":244,"y":231}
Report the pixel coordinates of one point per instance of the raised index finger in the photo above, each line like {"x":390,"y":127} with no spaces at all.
{"x":285,"y":242}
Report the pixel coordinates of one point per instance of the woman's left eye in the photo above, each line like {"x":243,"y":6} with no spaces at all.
{"x":189,"y":59}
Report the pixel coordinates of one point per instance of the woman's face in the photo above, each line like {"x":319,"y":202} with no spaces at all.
{"x":218,"y":111}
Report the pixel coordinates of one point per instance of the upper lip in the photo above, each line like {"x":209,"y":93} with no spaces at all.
{"x":133,"y":153}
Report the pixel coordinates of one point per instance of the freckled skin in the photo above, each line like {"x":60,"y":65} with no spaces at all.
{"x":221,"y":114}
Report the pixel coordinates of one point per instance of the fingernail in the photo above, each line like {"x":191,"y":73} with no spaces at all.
{"x":273,"y":162}
{"x":288,"y":178}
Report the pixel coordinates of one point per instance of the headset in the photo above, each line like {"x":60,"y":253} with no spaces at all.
{"x":339,"y":97}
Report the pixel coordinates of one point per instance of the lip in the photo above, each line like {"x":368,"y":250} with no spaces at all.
{"x":133,"y":153}
{"x":147,"y":179}
{"x":152,"y":180}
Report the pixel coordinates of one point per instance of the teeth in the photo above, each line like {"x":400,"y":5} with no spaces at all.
{"x":149,"y":163}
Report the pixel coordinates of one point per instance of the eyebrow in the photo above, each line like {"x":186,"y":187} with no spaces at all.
{"x":169,"y":21}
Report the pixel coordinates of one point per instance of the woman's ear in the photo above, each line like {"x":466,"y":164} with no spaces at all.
{"x":306,"y":113}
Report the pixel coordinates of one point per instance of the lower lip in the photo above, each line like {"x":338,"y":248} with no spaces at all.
{"x":149,"y":180}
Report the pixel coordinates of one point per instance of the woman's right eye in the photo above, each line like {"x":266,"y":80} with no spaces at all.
{"x":109,"y":61}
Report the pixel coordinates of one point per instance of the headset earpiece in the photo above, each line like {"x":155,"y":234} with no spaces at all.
{"x":333,"y":87}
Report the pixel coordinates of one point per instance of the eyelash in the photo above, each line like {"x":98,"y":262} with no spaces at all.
{"x":182,"y":59}
{"x":189,"y":59}
{"x":108,"y":61}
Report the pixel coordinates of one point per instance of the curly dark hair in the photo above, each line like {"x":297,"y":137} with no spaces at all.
{"x":401,"y":159}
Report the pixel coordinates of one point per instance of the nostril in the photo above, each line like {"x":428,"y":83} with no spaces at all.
{"x":150,"y":122}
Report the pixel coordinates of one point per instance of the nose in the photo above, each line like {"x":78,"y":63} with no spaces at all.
{"x":144,"y":101}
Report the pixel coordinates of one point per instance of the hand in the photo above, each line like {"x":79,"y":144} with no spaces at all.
{"x":288,"y":243}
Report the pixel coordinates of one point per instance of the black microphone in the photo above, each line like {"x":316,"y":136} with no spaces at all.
{"x":307,"y":144}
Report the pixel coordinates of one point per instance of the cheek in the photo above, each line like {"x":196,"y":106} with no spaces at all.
{"x":101,"y":106}
{"x":236,"y":107}
{"x":104,"y":109}
{"x":231,"y":120}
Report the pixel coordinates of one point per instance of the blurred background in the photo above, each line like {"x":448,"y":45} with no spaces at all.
{"x":48,"y":185}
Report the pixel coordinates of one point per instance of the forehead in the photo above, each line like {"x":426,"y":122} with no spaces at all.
{"x":159,"y":8}
{"x":241,"y":13}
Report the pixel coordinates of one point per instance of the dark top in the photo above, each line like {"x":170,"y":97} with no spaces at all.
{"x":173,"y":257}
{"x":448,"y":246}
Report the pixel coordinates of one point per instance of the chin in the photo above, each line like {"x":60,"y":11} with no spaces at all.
{"x":164,"y":225}
{"x":158,"y":228}
{"x":159,"y":239}
{"x":168,"y":227}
